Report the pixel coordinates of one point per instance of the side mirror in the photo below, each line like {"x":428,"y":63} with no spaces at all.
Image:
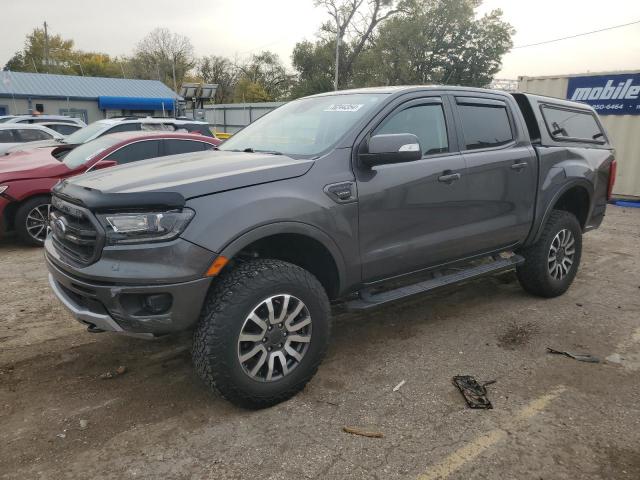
{"x":392,"y":148}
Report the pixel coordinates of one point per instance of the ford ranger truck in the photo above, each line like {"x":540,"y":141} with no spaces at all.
{"x":366,"y":196}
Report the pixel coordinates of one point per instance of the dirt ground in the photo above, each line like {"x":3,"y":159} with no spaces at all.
{"x":553,"y":417}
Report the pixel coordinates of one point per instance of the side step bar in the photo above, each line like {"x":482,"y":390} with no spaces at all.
{"x":368,"y":300}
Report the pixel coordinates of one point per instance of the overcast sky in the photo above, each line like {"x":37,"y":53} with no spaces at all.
{"x":241,"y":27}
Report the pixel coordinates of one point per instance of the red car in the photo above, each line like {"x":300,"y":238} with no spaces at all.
{"x":26,"y":178}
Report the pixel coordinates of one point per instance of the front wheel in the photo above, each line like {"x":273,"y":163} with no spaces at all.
{"x":552,"y":262}
{"x":263,"y":331}
{"x":32,"y":220}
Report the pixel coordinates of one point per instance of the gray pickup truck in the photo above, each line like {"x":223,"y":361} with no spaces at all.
{"x":363,"y":197}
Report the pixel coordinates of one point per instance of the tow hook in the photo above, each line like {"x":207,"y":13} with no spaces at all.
{"x":94,"y":329}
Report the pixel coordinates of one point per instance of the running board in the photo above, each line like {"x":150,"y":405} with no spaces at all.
{"x":368,"y":300}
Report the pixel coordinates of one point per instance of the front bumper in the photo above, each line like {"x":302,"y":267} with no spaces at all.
{"x":118,"y":308}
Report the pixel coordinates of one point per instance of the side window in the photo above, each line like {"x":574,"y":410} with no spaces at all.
{"x":6,"y":136}
{"x":572,"y":124}
{"x":175,"y":147}
{"x":124,"y":127}
{"x":485,"y":125}
{"x":32,"y":135}
{"x":158,"y":127}
{"x":425,"y":121}
{"x":66,"y":129}
{"x":136,"y":151}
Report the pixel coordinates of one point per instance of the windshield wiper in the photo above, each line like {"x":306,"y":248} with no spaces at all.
{"x":251,"y":150}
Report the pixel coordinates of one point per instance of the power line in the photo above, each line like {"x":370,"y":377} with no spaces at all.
{"x":578,"y":35}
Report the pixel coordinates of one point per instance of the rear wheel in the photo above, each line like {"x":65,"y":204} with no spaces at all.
{"x":32,"y":220}
{"x":263,"y":331}
{"x":552,"y":262}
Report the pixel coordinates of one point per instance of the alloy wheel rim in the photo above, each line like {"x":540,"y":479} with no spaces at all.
{"x":274,"y":338}
{"x":38,"y":221}
{"x":561,"y":254}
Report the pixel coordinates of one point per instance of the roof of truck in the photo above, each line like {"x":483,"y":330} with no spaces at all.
{"x":410,"y":88}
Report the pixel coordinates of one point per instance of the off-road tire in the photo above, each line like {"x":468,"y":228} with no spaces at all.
{"x":230,"y":299}
{"x":20,"y":221}
{"x":534,"y":274}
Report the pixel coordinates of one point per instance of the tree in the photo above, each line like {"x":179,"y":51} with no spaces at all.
{"x":35,"y":57}
{"x":440,"y":41}
{"x":357,"y":20}
{"x":264,"y":70}
{"x":220,"y":70}
{"x":314,"y":62}
{"x":163,"y":55}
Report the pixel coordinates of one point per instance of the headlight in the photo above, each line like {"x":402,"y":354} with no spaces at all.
{"x":139,"y":227}
{"x":3,"y":188}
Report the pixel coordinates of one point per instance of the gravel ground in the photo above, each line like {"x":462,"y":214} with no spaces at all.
{"x":553,"y":417}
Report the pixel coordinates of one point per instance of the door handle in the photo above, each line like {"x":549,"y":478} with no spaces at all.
{"x":449,"y":177}
{"x":519,"y":166}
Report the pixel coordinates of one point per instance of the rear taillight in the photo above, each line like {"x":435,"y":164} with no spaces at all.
{"x":613,"y":168}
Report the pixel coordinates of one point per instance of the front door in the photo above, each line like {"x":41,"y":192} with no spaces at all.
{"x":410,"y":213}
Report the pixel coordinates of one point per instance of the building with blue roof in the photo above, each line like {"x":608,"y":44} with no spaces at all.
{"x":87,"y":98}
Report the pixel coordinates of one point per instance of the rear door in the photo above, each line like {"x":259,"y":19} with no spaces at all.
{"x":501,"y":169}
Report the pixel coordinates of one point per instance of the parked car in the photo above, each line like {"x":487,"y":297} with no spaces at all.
{"x":42,"y":118}
{"x":367,"y":196}
{"x":14,"y":135}
{"x":128,"y":124}
{"x":26,"y":177}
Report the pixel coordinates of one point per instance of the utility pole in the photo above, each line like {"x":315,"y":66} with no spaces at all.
{"x":173,"y":65}
{"x":46,"y":47}
{"x":338,"y":38}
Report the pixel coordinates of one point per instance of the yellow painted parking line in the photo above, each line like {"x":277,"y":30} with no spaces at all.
{"x":460,"y":457}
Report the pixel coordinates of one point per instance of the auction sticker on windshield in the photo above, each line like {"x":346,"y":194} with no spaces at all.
{"x":344,"y":107}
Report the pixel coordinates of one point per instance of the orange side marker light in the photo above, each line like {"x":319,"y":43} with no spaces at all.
{"x":217,"y":265}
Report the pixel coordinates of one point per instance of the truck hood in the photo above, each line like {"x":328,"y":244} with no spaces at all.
{"x":193,"y":174}
{"x":31,"y":164}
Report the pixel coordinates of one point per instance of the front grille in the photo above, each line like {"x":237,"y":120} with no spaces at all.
{"x":74,"y":232}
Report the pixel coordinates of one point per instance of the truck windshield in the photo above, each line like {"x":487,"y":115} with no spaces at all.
{"x":304,"y":127}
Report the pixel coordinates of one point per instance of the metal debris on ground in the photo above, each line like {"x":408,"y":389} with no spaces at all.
{"x":399,"y":386}
{"x":473,"y":392}
{"x":582,"y":357}
{"x":362,"y":433}
{"x":121,"y":370}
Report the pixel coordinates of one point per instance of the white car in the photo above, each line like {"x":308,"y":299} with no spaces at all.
{"x":17,"y":134}
{"x":31,"y":119}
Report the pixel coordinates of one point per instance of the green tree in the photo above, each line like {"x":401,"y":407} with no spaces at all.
{"x":35,"y":57}
{"x":264,"y":70}
{"x":440,"y":41}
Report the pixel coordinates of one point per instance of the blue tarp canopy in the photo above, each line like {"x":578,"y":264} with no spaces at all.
{"x":136,"y":103}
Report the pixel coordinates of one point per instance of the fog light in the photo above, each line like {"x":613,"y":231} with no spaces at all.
{"x":157,"y":303}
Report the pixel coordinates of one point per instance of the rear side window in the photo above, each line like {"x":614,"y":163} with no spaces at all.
{"x":425,"y":121}
{"x":565,"y":124}
{"x":66,"y":129}
{"x":485,"y":126}
{"x":196,"y":128}
{"x":6,"y":136}
{"x":136,"y":151}
{"x":32,"y":135}
{"x":175,"y":147}
{"x":125,"y":127}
